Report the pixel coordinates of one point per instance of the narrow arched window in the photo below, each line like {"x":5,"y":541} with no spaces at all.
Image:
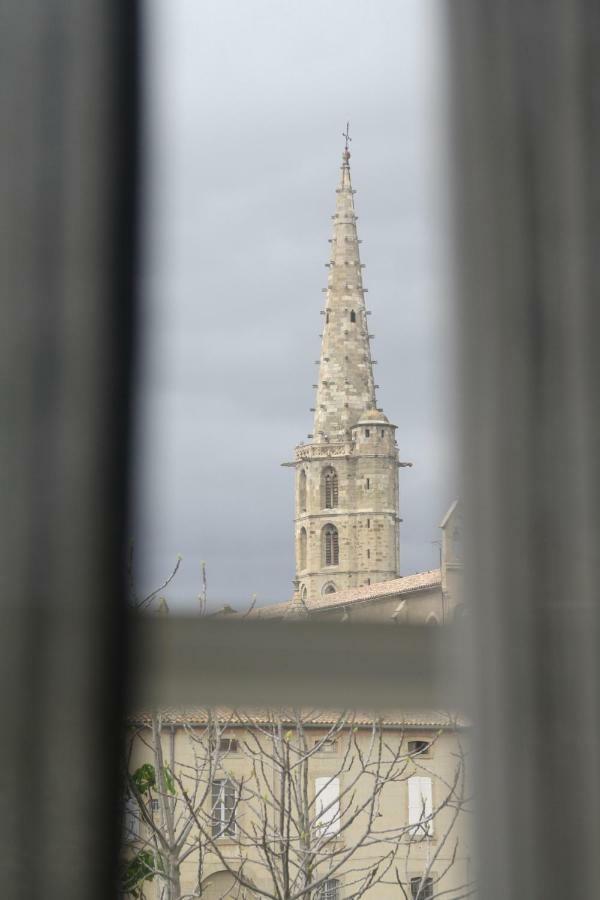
{"x":302,"y":548}
{"x":353,"y":316}
{"x":329,"y":488}
{"x":331,"y":550}
{"x":302,"y":490}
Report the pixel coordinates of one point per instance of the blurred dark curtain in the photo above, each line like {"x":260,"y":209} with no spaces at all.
{"x":67,"y":248}
{"x":526,"y":98}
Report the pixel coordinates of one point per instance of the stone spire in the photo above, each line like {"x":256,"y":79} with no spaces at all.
{"x":345,"y":388}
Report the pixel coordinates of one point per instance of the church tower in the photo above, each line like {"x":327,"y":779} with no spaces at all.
{"x":347,"y":476}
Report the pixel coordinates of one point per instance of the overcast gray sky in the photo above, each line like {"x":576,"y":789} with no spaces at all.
{"x":245,"y":106}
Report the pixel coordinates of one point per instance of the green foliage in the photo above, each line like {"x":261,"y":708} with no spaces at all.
{"x":141,"y":868}
{"x":144,"y":778}
{"x":169,"y":780}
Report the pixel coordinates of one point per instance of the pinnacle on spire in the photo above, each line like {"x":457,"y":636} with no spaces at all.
{"x":346,"y":385}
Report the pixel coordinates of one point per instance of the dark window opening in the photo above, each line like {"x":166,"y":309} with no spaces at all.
{"x":368,"y":483}
{"x":353,"y":316}
{"x":418,"y":748}
{"x":421,"y":888}
{"x":367,"y":432}
{"x":332,"y":554}
{"x":329,"y":890}
{"x":331,"y":488}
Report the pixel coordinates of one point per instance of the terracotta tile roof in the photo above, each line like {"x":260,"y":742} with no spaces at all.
{"x":310,"y":718}
{"x":381,"y":589}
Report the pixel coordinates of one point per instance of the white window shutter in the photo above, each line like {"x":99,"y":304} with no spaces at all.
{"x":420,"y":805}
{"x":327,"y":791}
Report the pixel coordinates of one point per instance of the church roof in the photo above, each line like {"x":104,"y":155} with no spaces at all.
{"x":367,"y":592}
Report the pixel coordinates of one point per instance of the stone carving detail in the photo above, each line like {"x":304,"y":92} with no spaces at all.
{"x":324,"y":451}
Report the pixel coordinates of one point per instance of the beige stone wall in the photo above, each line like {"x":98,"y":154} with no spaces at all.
{"x":411,"y":857}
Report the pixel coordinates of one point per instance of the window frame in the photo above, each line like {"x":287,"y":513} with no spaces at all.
{"x":228,"y":829}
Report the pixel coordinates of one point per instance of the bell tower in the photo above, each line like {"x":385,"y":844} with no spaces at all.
{"x":346,"y":525}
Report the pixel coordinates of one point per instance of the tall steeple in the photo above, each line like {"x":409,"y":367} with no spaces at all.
{"x":347,"y":476}
{"x":346,"y":387}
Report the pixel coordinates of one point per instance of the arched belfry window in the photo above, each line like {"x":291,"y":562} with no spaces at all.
{"x":353,"y":316}
{"x":302,"y":548}
{"x":329,"y":493}
{"x":302,"y":490}
{"x":331,"y":547}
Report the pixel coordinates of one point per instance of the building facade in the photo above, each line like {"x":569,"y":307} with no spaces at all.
{"x":347,"y":520}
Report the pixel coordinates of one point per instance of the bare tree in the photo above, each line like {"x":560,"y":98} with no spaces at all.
{"x":160,"y":828}
{"x":300,"y":825}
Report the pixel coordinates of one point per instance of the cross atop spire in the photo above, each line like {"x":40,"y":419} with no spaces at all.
{"x":346,"y":134}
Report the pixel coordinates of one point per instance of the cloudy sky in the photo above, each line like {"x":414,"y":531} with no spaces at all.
{"x":245,"y":106}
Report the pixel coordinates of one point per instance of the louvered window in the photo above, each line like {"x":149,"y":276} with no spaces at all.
{"x":330,"y":488}
{"x":421,"y":888}
{"x":327,"y":805}
{"x":224,"y":798}
{"x":420,"y":807}
{"x":331,"y":542}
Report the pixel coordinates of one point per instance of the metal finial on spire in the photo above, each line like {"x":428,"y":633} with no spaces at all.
{"x":346,"y":134}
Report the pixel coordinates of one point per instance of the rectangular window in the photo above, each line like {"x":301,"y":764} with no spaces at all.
{"x":368,"y":483}
{"x":329,"y":890}
{"x":367,"y":432}
{"x":419,"y":748}
{"x":420,"y":807}
{"x":421,"y":888}
{"x":327,"y":805}
{"x":228,"y":745}
{"x":224,"y":800}
{"x":327,"y":745}
{"x":131,"y":820}
{"x":154,"y":805}
{"x":368,"y":523}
